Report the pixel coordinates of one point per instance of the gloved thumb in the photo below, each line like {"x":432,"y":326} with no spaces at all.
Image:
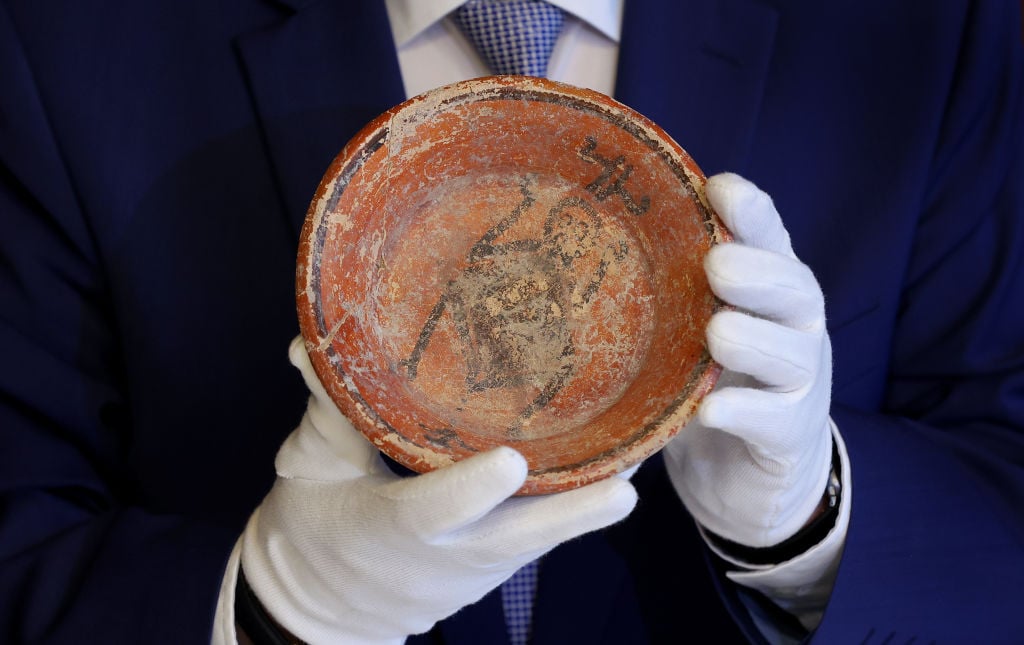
{"x":300,"y":358}
{"x":447,"y":499}
{"x":325,"y":446}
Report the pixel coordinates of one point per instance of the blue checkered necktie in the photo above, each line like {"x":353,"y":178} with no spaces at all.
{"x":512,"y":36}
{"x":517,"y":594}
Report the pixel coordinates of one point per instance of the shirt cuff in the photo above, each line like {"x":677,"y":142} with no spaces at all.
{"x":224,"y":620}
{"x":802,"y":585}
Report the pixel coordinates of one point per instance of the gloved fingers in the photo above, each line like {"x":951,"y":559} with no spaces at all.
{"x":445,"y":500}
{"x":523,"y":528}
{"x":765,"y":420}
{"x":781,"y":358}
{"x":748,"y":213}
{"x":767,"y":283}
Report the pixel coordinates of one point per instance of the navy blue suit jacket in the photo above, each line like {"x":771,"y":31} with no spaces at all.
{"x":156,"y":161}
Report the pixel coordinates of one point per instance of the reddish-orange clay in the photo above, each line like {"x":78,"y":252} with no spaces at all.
{"x":513,"y":261}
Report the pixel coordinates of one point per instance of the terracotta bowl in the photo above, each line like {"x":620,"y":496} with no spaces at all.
{"x":514,"y":261}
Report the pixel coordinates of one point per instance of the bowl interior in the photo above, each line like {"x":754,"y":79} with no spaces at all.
{"x":511,"y":262}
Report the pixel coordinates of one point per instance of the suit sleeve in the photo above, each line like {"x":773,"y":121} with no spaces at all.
{"x":935,"y":549}
{"x":78,"y":561}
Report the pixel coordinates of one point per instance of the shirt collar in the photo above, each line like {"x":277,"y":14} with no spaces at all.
{"x":409,"y":18}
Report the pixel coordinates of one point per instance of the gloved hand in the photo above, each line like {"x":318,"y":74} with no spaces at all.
{"x":753,"y":463}
{"x":343,"y":550}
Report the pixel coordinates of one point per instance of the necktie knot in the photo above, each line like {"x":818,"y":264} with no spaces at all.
{"x":512,"y":36}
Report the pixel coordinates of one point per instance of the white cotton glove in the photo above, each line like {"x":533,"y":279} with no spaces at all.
{"x":343,"y":550}
{"x":754,"y":462}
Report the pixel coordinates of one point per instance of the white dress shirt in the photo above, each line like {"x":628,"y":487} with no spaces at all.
{"x":432,"y":51}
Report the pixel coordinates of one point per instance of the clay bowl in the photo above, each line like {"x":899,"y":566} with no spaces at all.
{"x":514,"y":261}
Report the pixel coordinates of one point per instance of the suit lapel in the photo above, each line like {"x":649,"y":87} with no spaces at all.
{"x":697,"y":69}
{"x":327,"y":68}
{"x":316,"y":77}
